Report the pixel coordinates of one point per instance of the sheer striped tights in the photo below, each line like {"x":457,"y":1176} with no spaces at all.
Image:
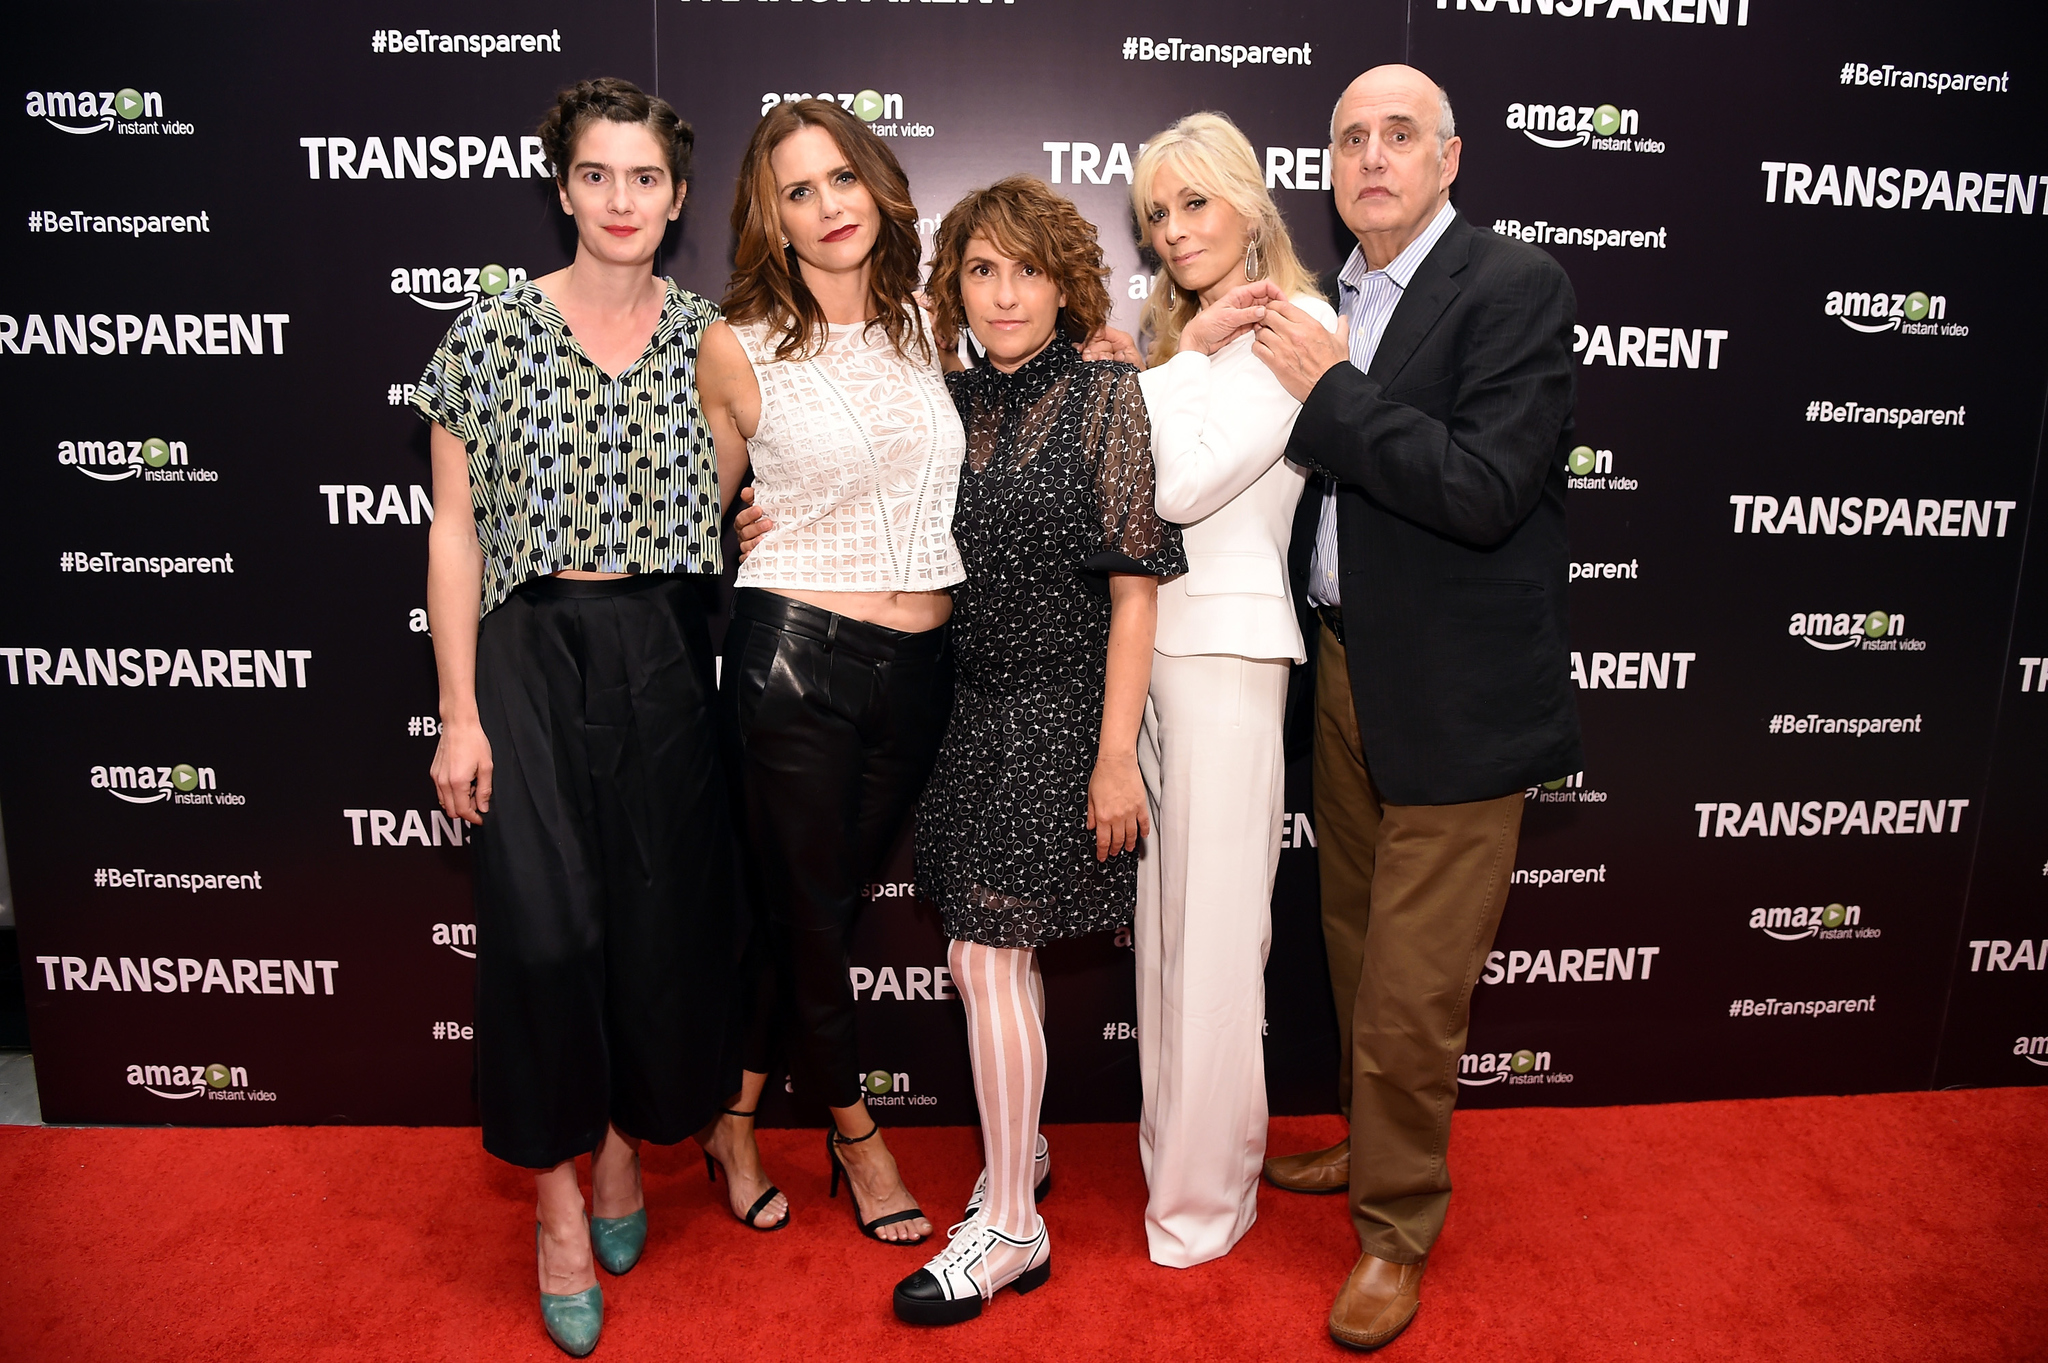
{"x":1005,"y":998}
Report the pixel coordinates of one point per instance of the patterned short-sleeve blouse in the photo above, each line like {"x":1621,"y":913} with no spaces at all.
{"x":570,"y":467}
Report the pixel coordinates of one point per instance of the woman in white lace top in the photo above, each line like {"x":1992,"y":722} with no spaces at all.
{"x":837,"y":675}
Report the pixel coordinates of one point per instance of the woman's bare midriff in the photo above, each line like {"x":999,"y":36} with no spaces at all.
{"x":911,"y":612}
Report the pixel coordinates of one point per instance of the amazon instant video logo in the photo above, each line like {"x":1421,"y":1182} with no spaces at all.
{"x":98,"y":111}
{"x":865,"y":105}
{"x":218,"y":1083}
{"x":1799,"y":922}
{"x":115,"y":461}
{"x":1833,"y":631}
{"x":183,"y":784}
{"x":1477,"y":1069}
{"x":1602,"y":127}
{"x":446,"y":290}
{"x":1909,"y":314}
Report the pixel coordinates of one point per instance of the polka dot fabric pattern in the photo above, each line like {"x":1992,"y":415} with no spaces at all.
{"x":1056,"y":494}
{"x":857,"y":461}
{"x":570,"y":467}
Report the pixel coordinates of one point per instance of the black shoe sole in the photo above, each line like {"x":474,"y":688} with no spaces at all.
{"x":918,"y":1312}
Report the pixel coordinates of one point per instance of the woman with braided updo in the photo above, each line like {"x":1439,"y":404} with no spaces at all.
{"x":576,"y":512}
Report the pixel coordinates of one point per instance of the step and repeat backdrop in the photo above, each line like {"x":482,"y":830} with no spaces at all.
{"x":1808,"y":853}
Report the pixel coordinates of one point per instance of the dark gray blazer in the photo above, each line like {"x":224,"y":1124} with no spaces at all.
{"x":1449,"y":456}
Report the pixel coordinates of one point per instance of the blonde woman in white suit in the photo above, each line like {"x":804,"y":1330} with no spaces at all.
{"x":1210,"y":747}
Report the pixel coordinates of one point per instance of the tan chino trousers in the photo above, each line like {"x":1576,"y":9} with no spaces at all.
{"x":1411,"y":896}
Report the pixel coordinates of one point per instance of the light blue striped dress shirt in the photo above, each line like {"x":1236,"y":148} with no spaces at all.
{"x":1368,"y":298}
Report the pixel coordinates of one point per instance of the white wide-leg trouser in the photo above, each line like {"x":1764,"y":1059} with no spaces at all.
{"x":1210,"y":751}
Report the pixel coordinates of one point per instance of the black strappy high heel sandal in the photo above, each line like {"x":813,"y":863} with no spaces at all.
{"x":833,"y":1140}
{"x":760,"y":1203}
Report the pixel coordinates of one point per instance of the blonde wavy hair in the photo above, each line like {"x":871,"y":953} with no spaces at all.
{"x":1217,"y":162}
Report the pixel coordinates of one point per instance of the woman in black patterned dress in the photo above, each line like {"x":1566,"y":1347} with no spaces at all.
{"x":1028,"y":830}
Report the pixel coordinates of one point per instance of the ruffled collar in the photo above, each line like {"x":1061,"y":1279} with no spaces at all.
{"x":531,"y":299}
{"x":1034,"y":376}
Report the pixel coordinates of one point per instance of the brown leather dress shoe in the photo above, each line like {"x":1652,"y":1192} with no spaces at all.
{"x":1376,"y":1302}
{"x":1316,"y":1171}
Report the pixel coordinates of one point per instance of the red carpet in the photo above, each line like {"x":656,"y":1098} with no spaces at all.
{"x":1905,"y":1226}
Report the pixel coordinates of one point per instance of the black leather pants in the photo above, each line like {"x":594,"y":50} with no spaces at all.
{"x":833,"y":725}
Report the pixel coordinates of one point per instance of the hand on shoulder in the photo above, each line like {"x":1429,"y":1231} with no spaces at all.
{"x":1229,"y":317}
{"x":1110,"y":344}
{"x":1300,"y":348}
{"x":1316,"y":307}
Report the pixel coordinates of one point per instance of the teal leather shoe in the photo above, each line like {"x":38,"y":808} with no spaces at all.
{"x":618,"y":1240}
{"x":574,"y":1320}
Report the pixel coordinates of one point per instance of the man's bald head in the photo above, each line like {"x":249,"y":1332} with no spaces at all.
{"x":1394,"y":152}
{"x":1405,"y":84}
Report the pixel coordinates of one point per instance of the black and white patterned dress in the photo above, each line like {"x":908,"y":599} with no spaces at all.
{"x":1055,"y":495}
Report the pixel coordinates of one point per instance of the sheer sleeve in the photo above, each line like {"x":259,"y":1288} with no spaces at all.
{"x":447,"y":391}
{"x":1133,"y":537}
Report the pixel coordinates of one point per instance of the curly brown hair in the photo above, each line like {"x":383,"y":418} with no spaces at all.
{"x":616,"y":101}
{"x":1024,"y":219}
{"x":766,"y":283}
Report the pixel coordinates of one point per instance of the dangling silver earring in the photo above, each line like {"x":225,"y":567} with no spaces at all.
{"x":1172,"y":300}
{"x":785,"y":243}
{"x":1252,"y":263}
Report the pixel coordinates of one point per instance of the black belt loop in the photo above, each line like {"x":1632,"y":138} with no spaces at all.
{"x":832,"y":633}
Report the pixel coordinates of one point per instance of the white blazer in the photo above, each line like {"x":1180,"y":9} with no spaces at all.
{"x":1219,"y":427}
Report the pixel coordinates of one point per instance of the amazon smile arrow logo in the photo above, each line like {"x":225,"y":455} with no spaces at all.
{"x":1831,"y":632}
{"x":179,"y":1082}
{"x":1477,"y":1069}
{"x":64,"y":109}
{"x":447,"y":290}
{"x":1796,"y":923}
{"x":1871,"y":313}
{"x":152,"y":784}
{"x":1571,"y":125}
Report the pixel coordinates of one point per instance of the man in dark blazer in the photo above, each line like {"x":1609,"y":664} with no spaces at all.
{"x":1429,"y":551}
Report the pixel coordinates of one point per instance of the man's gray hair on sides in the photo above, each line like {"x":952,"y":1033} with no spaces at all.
{"x":1446,"y":121}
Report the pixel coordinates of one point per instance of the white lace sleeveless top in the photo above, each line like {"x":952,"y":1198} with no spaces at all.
{"x":857,"y":461}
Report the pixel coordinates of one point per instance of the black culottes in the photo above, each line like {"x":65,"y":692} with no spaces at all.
{"x":834,"y":724}
{"x":608,"y":925}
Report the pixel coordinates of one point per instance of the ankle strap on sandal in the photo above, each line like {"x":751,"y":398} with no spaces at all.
{"x":838,"y":1139}
{"x":735,"y":1112}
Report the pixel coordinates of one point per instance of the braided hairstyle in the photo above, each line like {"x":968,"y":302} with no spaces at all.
{"x":616,"y":101}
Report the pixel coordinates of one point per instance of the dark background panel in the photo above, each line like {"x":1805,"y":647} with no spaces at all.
{"x":1997,"y":1006}
{"x":976,"y":92}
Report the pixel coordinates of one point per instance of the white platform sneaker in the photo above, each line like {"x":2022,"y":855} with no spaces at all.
{"x":953,"y":1286}
{"x":1041,"y":1176}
